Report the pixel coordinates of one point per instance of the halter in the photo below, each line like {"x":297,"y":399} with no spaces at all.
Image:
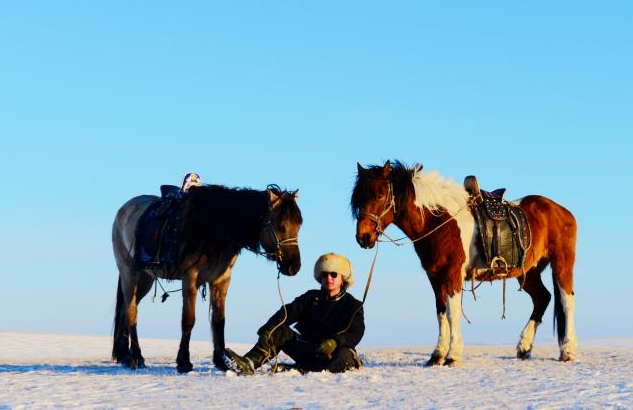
{"x":278,"y":252}
{"x":391,"y":203}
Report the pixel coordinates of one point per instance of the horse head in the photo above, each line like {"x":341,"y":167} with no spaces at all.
{"x":373,"y":203}
{"x":280,"y":234}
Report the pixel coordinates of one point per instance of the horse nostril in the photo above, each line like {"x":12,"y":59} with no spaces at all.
{"x":366,"y":239}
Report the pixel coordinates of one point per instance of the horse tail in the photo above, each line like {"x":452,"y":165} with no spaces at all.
{"x":560,"y":319}
{"x":117,"y":318}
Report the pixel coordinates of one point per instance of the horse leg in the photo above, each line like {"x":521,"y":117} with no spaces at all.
{"x":456,"y":344}
{"x":216,"y":300}
{"x":133,"y":287}
{"x":125,"y":317}
{"x":564,"y":310}
{"x":441,"y":348}
{"x":121,"y":337}
{"x":541,"y":297}
{"x":144,"y":284}
{"x":189,"y":293}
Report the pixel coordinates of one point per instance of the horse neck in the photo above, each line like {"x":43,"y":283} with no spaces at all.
{"x":236,"y":216}
{"x":413,"y":221}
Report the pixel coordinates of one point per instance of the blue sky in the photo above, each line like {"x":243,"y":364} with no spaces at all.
{"x":101,"y":101}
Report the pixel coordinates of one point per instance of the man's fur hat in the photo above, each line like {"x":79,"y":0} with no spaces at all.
{"x":332,"y":262}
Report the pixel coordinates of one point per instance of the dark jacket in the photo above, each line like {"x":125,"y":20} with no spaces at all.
{"x":317,"y":318}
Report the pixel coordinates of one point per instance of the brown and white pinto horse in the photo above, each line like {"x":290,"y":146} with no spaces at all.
{"x":433,"y":211}
{"x":218,"y":222}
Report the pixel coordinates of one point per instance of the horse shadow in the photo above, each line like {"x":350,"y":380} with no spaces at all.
{"x":103,"y":368}
{"x":406,"y":359}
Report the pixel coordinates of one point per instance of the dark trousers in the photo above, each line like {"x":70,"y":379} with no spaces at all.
{"x":304,"y":353}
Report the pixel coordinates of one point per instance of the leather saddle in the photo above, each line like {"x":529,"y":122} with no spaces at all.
{"x":157,"y":233}
{"x":504,"y":233}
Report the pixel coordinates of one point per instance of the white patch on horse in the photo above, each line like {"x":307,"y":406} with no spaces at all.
{"x":438,"y":194}
{"x":454,"y":310}
{"x":527,"y":337}
{"x":569,"y":347}
{"x":433,"y":191}
{"x":443,"y":337}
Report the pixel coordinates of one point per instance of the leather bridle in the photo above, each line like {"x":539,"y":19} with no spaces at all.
{"x":278,"y":253}
{"x":389,"y":204}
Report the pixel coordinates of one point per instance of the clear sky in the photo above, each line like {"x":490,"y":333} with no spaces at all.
{"x":101,"y":101}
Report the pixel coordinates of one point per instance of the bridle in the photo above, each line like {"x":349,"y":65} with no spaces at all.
{"x":389,"y":204}
{"x":278,"y":253}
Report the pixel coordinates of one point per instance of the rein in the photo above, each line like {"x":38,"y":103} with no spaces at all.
{"x":398,"y":242}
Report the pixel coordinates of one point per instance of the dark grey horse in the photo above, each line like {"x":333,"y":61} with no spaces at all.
{"x":218,"y":222}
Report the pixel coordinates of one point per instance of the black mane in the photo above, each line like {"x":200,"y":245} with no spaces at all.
{"x":220,"y":218}
{"x":401,"y":175}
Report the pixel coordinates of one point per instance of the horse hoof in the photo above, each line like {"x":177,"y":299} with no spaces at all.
{"x":126,"y":361}
{"x":566,"y":357}
{"x":434,"y":361}
{"x":524,"y":355}
{"x":218,"y":360}
{"x":184,"y":368}
{"x":137,"y":363}
{"x":452,"y":363}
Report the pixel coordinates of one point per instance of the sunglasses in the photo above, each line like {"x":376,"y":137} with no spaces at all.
{"x":333,"y":275}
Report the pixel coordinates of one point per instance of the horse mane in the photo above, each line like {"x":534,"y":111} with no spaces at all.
{"x":432,"y":191}
{"x":220,"y":218}
{"x":401,"y":177}
{"x":437,"y":193}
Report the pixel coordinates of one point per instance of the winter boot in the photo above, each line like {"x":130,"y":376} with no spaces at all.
{"x":238,"y":364}
{"x":245,"y":365}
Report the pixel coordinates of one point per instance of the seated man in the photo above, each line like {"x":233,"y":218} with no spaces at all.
{"x":329,"y":322}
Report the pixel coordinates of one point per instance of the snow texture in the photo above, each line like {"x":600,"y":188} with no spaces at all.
{"x":71,"y":371}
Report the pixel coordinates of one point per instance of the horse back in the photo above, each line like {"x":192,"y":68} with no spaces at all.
{"x":553,"y":227}
{"x":542,"y":210}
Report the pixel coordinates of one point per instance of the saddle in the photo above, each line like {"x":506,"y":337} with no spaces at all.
{"x":504,"y":232}
{"x":158,"y":230}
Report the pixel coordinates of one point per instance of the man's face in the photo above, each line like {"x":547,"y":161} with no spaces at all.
{"x":331,"y":281}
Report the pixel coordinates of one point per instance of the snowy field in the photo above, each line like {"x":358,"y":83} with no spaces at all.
{"x":69,"y":371}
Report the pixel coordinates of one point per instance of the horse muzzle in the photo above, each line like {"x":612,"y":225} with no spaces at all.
{"x":290,"y":265}
{"x":366,"y":240}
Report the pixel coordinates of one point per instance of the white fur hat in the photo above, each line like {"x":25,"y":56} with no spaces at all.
{"x":332,"y":262}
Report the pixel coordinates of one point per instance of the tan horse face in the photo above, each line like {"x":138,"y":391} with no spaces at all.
{"x":280,"y":236}
{"x":376,"y":211}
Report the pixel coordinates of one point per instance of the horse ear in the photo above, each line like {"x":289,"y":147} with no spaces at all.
{"x":360,"y":168}
{"x":295,"y":194}
{"x":272,"y":196}
{"x":386,"y":169}
{"x":417,"y":167}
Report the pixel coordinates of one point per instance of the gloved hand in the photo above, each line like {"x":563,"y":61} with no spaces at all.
{"x":265,"y":340}
{"x":325,"y":349}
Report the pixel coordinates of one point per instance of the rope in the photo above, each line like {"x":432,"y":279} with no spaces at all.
{"x":503,"y":315}
{"x":165,"y":292}
{"x":273,"y":369}
{"x":398,"y":242}
{"x":369,"y":276}
{"x":462,"y":305}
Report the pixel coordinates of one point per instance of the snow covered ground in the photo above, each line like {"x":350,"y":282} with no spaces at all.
{"x":71,"y":371}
